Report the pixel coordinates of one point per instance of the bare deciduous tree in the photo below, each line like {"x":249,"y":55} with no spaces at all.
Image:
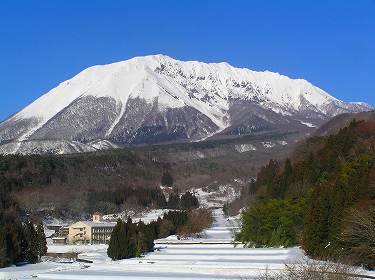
{"x":358,"y":235}
{"x":198,"y":220}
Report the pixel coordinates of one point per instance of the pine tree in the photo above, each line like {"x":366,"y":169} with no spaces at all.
{"x":145,"y":237}
{"x":113,"y":250}
{"x":16,"y":242}
{"x":32,"y":243}
{"x":149,"y":238}
{"x":316,"y":229}
{"x":132,"y":238}
{"x":42,"y":243}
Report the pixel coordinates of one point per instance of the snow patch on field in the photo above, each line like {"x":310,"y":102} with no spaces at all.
{"x":210,"y":198}
{"x":282,"y":143}
{"x":308,"y":124}
{"x":242,"y":148}
{"x":268,"y":145}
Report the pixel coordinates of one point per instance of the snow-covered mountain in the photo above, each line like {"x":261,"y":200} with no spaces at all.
{"x":155,"y":99}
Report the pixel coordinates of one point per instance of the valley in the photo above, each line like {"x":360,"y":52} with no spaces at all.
{"x":211,"y":257}
{"x":203,"y":258}
{"x":151,"y":140}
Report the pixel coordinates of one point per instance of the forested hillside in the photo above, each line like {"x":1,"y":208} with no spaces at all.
{"x":73,"y":185}
{"x":78,"y":184}
{"x":35,"y":187}
{"x":318,"y":198}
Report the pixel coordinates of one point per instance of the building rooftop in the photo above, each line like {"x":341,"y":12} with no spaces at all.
{"x":101,"y":224}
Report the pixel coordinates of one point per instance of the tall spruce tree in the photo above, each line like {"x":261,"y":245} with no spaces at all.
{"x":42,"y":242}
{"x":114,"y":247}
{"x":32,"y":255}
{"x":17,"y":245}
{"x":132,"y":238}
{"x":3,"y":248}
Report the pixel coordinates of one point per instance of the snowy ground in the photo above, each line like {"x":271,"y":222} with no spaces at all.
{"x":212,"y":257}
{"x":209,"y":198}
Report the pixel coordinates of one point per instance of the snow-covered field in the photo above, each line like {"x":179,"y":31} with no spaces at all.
{"x":210,"y":257}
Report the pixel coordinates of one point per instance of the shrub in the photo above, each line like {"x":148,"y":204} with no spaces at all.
{"x":358,"y":236}
{"x":275,"y":222}
{"x":306,"y":269}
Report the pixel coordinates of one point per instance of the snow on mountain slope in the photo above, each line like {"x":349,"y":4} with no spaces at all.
{"x":156,"y":98}
{"x":56,"y":147}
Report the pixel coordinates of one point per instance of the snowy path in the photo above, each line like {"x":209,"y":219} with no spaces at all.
{"x":211,"y":257}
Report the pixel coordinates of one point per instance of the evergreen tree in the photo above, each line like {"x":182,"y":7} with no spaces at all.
{"x":332,"y":174}
{"x":145,"y":238}
{"x":123,"y":241}
{"x":131,"y":238}
{"x":42,"y":242}
{"x":285,"y":178}
{"x":274,"y":222}
{"x":16,"y":242}
{"x":174,"y":201}
{"x":32,"y":255}
{"x":167,"y":179}
{"x":189,"y":200}
{"x":3,"y":248}
{"x":149,"y":237}
{"x":113,"y":250}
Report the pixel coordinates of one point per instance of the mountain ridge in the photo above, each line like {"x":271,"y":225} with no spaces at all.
{"x":155,"y":99}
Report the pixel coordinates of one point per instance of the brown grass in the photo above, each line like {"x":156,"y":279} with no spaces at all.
{"x":307,"y":269}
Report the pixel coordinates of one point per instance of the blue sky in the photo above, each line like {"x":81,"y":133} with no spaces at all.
{"x":330,"y":43}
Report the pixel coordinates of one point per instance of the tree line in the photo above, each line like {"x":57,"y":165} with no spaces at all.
{"x":186,"y":200}
{"x":314,"y":199}
{"x":64,"y":185}
{"x":117,"y":200}
{"x":72,"y":186}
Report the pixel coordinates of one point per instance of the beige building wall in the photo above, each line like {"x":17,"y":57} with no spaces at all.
{"x":79,"y":232}
{"x":94,"y":231}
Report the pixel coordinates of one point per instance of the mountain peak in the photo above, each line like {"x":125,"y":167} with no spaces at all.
{"x":156,"y":98}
